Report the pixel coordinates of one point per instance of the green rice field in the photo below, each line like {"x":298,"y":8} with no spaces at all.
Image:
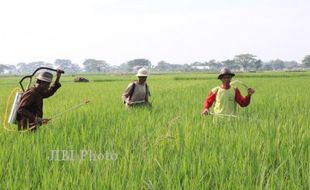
{"x":102,"y":145}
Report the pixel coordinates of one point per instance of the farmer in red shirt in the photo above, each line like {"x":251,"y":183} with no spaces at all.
{"x":225,"y":96}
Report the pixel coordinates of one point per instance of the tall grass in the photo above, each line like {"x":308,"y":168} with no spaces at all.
{"x":168,"y":147}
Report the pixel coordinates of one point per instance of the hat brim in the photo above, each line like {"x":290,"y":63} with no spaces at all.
{"x":220,"y":76}
{"x":141,"y":75}
{"x":44,"y":79}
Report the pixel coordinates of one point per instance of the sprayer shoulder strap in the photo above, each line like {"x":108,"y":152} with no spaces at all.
{"x":132,"y":89}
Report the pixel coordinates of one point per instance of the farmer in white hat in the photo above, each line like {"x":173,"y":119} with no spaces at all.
{"x":225,"y":96}
{"x":30,"y":112}
{"x":138,"y":92}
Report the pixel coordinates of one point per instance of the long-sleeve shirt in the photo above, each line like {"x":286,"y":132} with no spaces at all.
{"x":31,"y":105}
{"x":225,"y":100}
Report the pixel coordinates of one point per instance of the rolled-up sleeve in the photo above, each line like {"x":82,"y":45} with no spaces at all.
{"x":242,"y":101}
{"x":209,"y":100}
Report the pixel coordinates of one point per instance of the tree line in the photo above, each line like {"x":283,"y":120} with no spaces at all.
{"x":242,"y":62}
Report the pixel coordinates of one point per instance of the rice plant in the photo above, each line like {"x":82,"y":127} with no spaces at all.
{"x":171,"y":146}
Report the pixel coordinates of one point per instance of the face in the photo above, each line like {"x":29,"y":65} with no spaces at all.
{"x":43,"y":86}
{"x":142,"y":80}
{"x":226,"y":79}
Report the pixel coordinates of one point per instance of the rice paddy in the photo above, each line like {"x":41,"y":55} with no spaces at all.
{"x":171,"y":146}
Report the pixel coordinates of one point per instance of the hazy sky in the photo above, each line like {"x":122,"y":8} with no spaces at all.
{"x":177,"y":31}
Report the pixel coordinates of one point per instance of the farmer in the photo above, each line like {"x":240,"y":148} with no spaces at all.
{"x":30,"y":111}
{"x":138,"y":92}
{"x":225,"y":96}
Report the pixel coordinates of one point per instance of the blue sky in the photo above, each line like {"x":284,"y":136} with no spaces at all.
{"x":179,"y":32}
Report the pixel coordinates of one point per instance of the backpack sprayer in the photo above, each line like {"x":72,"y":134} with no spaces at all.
{"x":18,"y":95}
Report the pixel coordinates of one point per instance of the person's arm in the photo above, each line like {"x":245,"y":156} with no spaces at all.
{"x":208,"y":102}
{"x":54,"y":87}
{"x":148,"y":94}
{"x":126,"y":93}
{"x":243,"y":101}
{"x":51,"y":91}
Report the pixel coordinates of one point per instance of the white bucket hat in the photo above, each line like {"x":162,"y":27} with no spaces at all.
{"x":45,"y":76}
{"x":142,"y":73}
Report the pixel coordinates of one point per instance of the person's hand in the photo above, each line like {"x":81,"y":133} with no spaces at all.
{"x":59,"y":72}
{"x":251,"y":91}
{"x":38,"y":121}
{"x":129,"y":103}
{"x":45,"y":121}
{"x":205,"y":112}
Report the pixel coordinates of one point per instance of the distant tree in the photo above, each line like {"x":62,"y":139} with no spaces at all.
{"x":214,"y":65}
{"x":64,"y":64}
{"x":291,"y":64}
{"x":163,"y":66}
{"x":231,"y":64}
{"x":277,"y":64}
{"x":139,"y":63}
{"x":247,"y":61}
{"x":135,"y":64}
{"x":197,"y":63}
{"x":11,"y":69}
{"x":186,"y":68}
{"x":199,"y":66}
{"x":306,"y":61}
{"x":267,"y":66}
{"x":67,"y":65}
{"x":93,"y":65}
{"x":75,"y":68}
{"x":36,"y":64}
{"x":3,"y":68}
{"x":28,"y":68}
{"x":22,"y":68}
{"x":258,"y":64}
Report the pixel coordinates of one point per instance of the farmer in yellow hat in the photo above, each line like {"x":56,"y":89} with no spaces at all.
{"x":30,"y":111}
{"x":138,"y":92}
{"x":225,"y":96}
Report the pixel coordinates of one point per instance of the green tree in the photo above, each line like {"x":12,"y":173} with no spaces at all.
{"x":94,"y":65}
{"x":306,"y":61}
{"x":163,"y":66}
{"x":3,"y":68}
{"x":231,"y":64}
{"x":139,"y":63}
{"x":248,"y":61}
{"x":277,"y":64}
{"x":28,"y":68}
{"x":135,"y":64}
{"x":64,"y":64}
